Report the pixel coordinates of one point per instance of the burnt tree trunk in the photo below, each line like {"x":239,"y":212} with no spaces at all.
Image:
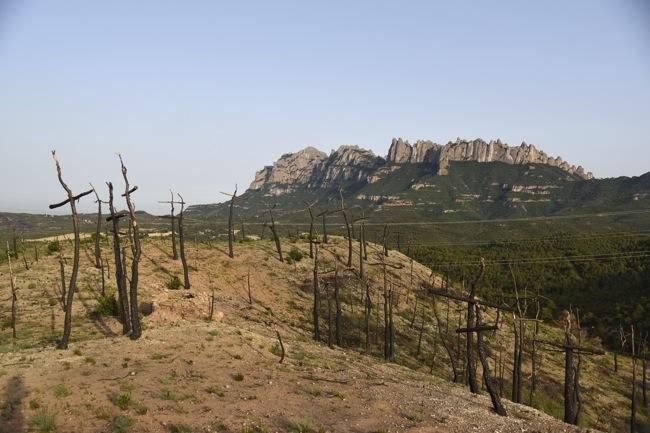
{"x":385,"y":240}
{"x":316,"y":308}
{"x":443,"y":340}
{"x":63,"y":284}
{"x":633,"y":396}
{"x":347,"y":228}
{"x":72,"y":200}
{"x":337,"y":302}
{"x":181,"y":240}
{"x":173,"y":223}
{"x":368,"y":311}
{"x":311,"y":229}
{"x":231,"y":230}
{"x":489,"y":383}
{"x":361,"y":242}
{"x":471,"y":323}
{"x":14,"y":296}
{"x":136,"y":249}
{"x":98,"y":230}
{"x":120,"y":280}
{"x":278,"y":247}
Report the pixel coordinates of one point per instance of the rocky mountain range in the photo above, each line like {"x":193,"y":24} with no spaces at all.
{"x":313,"y":168}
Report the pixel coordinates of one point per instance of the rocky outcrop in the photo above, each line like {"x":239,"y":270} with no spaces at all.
{"x":311,"y":168}
{"x":478,"y":150}
{"x":314,"y":169}
{"x":346,"y":164}
{"x":290,"y":170}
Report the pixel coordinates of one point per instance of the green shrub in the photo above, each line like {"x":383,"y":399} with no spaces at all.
{"x":295,"y":254}
{"x":123,"y":401}
{"x":180,"y":428}
{"x":106,"y":306}
{"x":237,"y":377}
{"x":122,"y":424}
{"x":61,"y":391}
{"x":53,"y":247}
{"x":43,"y":421}
{"x":174,"y":283}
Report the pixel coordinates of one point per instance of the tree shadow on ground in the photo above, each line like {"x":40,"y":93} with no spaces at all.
{"x":12,"y":419}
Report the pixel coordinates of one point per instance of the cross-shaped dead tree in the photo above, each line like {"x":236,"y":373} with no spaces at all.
{"x":120,"y":277}
{"x":181,"y":239}
{"x":72,"y":200}
{"x":475,"y":326}
{"x":231,"y":229}
{"x":323,"y":215}
{"x":572,"y":349}
{"x":136,"y":249}
{"x":172,"y":217}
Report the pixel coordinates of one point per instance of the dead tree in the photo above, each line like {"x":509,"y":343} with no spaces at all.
{"x":633,"y":396}
{"x":98,"y":251}
{"x":389,"y":326}
{"x":337,"y":302}
{"x":385,"y":240}
{"x":136,"y":250}
{"x":361,"y":245}
{"x":519,"y":333}
{"x":489,"y":383}
{"x":572,"y":352}
{"x":471,"y":366}
{"x":533,"y":354}
{"x":14,"y":295}
{"x":172,"y":217}
{"x":275,"y":233}
{"x":14,"y":242}
{"x":368,"y":311}
{"x":120,"y":280}
{"x":311,"y":227}
{"x":446,"y":344}
{"x":347,"y":227}
{"x":644,"y":362}
{"x":63,"y":285}
{"x":316,"y":308}
{"x":231,"y":229}
{"x":623,"y":339}
{"x":181,"y":240}
{"x":72,"y":200}
{"x":323,"y":215}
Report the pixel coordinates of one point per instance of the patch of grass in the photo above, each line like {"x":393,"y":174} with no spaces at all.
{"x":237,"y":377}
{"x":174,"y":283}
{"x":61,"y":391}
{"x":122,"y":424}
{"x":302,"y":427}
{"x":168,"y":394}
{"x":180,"y":428}
{"x":123,"y":400}
{"x":140,"y":408}
{"x":414,"y":416}
{"x":90,"y":360}
{"x":33,"y":404}
{"x":43,"y":421}
{"x":295,"y":254}
{"x":31,"y":286}
{"x":77,"y":351}
{"x":214,"y":389}
{"x":53,"y":247}
{"x":314,"y":391}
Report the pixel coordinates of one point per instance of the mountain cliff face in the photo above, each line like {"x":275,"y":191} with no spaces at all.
{"x":313,"y":169}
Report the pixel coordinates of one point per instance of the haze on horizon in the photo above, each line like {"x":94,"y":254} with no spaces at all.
{"x":197,"y":96}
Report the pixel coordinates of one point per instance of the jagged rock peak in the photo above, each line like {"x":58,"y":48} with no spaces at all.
{"x":401,"y":151}
{"x":291,"y":168}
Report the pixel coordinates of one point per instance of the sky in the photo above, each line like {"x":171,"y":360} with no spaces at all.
{"x":198,"y":95}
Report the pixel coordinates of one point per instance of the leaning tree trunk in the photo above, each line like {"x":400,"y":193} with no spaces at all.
{"x":489,"y":383}
{"x":278,"y":247}
{"x":181,"y":238}
{"x":72,"y":200}
{"x":136,"y":249}
{"x":122,"y":293}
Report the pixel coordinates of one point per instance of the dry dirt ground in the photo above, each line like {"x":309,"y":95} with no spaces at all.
{"x":188,"y":374}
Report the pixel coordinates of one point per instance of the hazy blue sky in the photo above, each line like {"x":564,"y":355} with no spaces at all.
{"x":198,"y":95}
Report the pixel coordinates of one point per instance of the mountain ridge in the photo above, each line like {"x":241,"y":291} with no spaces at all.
{"x":312,"y":168}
